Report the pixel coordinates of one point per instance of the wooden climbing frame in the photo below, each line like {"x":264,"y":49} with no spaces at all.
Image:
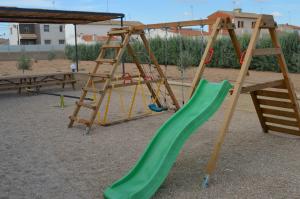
{"x":110,"y":81}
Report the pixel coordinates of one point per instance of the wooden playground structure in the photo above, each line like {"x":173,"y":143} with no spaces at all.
{"x":275,"y":102}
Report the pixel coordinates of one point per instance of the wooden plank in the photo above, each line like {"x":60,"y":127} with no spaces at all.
{"x":261,"y":86}
{"x":275,"y":94}
{"x":118,"y":32}
{"x":283,"y":130}
{"x":175,"y":24}
{"x":111,"y":46}
{"x":259,"y":112}
{"x":280,"y":113}
{"x":281,"y":121}
{"x":274,"y":103}
{"x":266,"y":51}
{"x":80,"y":120}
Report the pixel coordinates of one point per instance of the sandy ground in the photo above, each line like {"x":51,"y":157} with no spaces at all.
{"x":42,"y":158}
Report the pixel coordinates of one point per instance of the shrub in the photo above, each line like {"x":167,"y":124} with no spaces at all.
{"x":24,"y":63}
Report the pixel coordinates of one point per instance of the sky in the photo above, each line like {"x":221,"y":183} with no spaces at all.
{"x":155,"y":11}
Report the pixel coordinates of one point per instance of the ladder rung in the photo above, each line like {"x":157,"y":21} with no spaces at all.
{"x":110,"y":61}
{"x":281,"y":121}
{"x":280,"y":113}
{"x":99,"y":75}
{"x":86,"y":105}
{"x":117,"y":32}
{"x":275,"y":103}
{"x":80,"y":120}
{"x":266,"y":51}
{"x":274,"y":94}
{"x":283,"y":130}
{"x":112,"y":46}
{"x":93,"y":90}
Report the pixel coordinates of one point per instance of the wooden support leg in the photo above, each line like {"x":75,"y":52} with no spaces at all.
{"x":232,"y":104}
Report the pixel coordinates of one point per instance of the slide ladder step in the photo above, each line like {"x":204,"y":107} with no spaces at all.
{"x":80,"y":120}
{"x":118,"y":32}
{"x":117,"y":46}
{"x":106,"y":61}
{"x":87,"y":105}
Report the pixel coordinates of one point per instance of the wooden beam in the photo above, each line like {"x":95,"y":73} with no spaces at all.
{"x":266,"y":51}
{"x":134,"y":83}
{"x":261,"y":86}
{"x":175,"y":24}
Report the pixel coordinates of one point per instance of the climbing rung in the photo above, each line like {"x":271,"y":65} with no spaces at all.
{"x":266,"y":51}
{"x":117,"y":32}
{"x":281,"y":121}
{"x":80,"y":120}
{"x":283,"y":130}
{"x":109,"y":61}
{"x":99,"y":75}
{"x":93,"y":90}
{"x":86,"y":105}
{"x":278,"y":113}
{"x":274,"y":94}
{"x":112,"y":46}
{"x":275,"y":103}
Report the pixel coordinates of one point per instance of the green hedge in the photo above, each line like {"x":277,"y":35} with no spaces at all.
{"x":174,"y":50}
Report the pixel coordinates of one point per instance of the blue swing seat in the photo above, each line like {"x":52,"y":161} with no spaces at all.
{"x":155,"y":108}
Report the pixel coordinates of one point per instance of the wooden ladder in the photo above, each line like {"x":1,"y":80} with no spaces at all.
{"x":114,"y":62}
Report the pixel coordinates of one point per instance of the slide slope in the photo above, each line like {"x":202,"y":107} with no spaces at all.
{"x":155,"y":163}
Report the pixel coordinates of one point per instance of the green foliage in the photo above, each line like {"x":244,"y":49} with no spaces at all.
{"x":189,"y":50}
{"x":51,"y":55}
{"x":24,"y":63}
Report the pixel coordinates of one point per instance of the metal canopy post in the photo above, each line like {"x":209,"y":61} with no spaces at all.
{"x":76,"y":48}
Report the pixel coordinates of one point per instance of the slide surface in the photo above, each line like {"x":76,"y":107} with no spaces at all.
{"x":152,"y":168}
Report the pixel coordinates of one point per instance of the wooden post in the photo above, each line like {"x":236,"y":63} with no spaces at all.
{"x":233,"y":102}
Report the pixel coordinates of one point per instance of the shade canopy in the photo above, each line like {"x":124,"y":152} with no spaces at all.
{"x":28,"y":15}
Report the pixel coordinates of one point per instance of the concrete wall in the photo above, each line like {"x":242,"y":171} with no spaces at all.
{"x":54,"y":34}
{"x":13,"y":34}
{"x":4,"y":56}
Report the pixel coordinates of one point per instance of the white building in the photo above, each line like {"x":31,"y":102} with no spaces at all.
{"x":31,"y":34}
{"x":94,"y":32}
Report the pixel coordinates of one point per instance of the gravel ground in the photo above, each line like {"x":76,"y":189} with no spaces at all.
{"x":42,"y":158}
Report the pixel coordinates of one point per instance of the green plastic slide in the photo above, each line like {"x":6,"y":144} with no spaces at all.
{"x":150,"y":171}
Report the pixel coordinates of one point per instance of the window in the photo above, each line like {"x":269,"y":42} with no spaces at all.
{"x":240,"y":24}
{"x":46,"y":28}
{"x":253,"y":24}
{"x":26,"y":29}
{"x":61,"y":28}
{"x":47,"y":41}
{"x":61,"y":41}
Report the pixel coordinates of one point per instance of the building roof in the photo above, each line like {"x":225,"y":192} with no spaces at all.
{"x":28,"y":15}
{"x":288,"y":26}
{"x":237,"y":13}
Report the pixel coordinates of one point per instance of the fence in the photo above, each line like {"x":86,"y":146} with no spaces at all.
{"x":30,"y":48}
